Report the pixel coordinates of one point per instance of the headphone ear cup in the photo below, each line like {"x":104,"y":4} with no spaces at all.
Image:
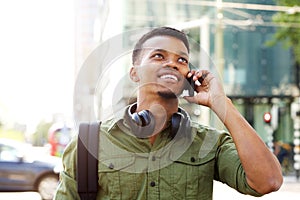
{"x":136,"y":119}
{"x":142,"y":124}
{"x":176,"y":123}
{"x":145,"y":117}
{"x":142,"y":118}
{"x":180,"y":124}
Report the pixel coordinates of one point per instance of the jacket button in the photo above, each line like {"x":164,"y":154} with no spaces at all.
{"x":111,"y":166}
{"x":152,"y":183}
{"x":193,"y":159}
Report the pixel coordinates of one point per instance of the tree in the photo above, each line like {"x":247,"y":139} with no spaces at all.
{"x":288,"y":31}
{"x":40,"y":137}
{"x":288,"y":27}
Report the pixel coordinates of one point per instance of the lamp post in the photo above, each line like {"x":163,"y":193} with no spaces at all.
{"x":219,"y":41}
{"x":295,"y":112}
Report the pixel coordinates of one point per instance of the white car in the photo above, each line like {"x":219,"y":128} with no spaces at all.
{"x":21,"y":170}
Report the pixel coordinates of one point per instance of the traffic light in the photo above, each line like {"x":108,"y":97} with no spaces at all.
{"x":267,"y":117}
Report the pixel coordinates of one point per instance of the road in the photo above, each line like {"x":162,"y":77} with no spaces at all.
{"x":290,"y":189}
{"x":19,"y":196}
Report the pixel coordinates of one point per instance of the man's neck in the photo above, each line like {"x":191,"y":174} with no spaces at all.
{"x":161,"y":109}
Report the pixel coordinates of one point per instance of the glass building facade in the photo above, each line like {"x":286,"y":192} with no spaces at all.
{"x":255,"y":76}
{"x":258,"y":78}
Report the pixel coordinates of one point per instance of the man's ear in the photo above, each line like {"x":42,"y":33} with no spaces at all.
{"x":134,"y":75}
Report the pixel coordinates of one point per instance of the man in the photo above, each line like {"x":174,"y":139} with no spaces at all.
{"x":156,"y":152}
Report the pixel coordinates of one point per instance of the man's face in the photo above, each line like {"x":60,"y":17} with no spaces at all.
{"x":162,"y":66}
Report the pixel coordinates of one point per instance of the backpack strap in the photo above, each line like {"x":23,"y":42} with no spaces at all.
{"x":87,"y":160}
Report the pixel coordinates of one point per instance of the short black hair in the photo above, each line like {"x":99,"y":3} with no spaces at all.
{"x":161,"y":31}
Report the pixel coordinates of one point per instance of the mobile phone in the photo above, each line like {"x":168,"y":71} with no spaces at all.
{"x":192,"y":84}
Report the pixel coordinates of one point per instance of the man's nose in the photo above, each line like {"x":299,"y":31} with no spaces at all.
{"x":172,"y":64}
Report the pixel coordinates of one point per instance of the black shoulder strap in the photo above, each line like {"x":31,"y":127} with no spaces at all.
{"x":87,"y":160}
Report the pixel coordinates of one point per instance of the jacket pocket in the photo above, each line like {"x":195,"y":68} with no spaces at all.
{"x":116,"y":179}
{"x":191,"y":177}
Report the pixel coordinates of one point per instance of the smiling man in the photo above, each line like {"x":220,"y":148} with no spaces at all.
{"x":156,"y":152}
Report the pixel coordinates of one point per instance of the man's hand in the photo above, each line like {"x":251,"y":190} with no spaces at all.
{"x":210,"y":92}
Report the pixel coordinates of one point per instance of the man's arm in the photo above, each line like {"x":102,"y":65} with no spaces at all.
{"x":262,"y":169}
{"x":67,"y":188}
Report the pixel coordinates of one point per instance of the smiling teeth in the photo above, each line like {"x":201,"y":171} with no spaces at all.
{"x":169,"y":76}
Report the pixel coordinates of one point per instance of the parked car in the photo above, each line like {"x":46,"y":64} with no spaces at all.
{"x":21,"y":170}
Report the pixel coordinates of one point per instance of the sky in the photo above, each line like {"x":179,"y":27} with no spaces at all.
{"x":36,"y":59}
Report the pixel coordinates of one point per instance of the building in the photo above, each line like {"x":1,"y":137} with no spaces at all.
{"x":232,"y":37}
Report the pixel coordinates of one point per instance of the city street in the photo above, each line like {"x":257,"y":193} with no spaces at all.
{"x":290,"y":190}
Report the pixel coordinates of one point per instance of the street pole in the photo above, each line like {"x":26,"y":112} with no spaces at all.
{"x":219,"y":41}
{"x":219,"y":46}
{"x":295,"y":112}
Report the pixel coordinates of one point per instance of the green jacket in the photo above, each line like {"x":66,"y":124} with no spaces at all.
{"x":172,"y":168}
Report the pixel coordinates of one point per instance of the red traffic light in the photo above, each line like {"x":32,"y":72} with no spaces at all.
{"x":267,"y":117}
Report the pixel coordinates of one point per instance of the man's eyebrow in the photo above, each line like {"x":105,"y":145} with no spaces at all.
{"x":181,"y":53}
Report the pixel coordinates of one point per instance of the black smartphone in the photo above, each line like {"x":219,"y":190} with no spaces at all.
{"x":191,"y":86}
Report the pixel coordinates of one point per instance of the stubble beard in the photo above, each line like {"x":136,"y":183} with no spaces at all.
{"x":167,"y":94}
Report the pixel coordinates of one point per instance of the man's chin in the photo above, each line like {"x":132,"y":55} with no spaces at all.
{"x":167,"y":94}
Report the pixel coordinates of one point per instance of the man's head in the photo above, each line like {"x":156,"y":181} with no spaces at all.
{"x":161,"y":31}
{"x":161,"y":63}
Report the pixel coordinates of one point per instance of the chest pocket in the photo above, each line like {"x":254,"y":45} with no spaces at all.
{"x":191,"y":177}
{"x":116,"y":179}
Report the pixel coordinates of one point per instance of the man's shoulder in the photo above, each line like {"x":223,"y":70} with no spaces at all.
{"x":207,"y":141}
{"x":206,"y":135}
{"x":203,"y":130}
{"x":108,"y":122}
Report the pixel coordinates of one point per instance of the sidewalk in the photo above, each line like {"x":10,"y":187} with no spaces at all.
{"x":290,"y":189}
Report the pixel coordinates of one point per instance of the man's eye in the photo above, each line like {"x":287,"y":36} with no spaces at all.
{"x":182,"y":60}
{"x":158,"y":55}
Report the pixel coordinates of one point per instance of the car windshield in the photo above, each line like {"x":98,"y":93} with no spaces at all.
{"x":13,"y":151}
{"x":8,"y":153}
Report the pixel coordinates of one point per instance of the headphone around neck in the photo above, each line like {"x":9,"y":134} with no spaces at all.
{"x":142,"y":123}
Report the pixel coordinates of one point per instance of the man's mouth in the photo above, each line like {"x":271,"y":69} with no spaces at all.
{"x":169,"y":76}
